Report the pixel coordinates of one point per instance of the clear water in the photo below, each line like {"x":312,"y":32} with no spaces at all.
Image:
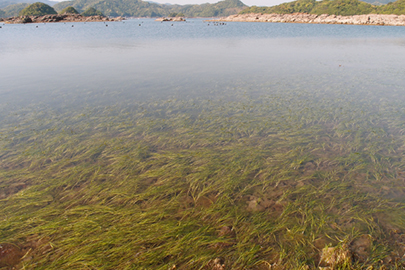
{"x":68,"y":64}
{"x":291,"y":133}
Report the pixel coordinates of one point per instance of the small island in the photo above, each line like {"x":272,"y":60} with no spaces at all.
{"x":58,"y":18}
{"x":171,"y":19}
{"x":367,"y":19}
{"x":325,"y":12}
{"x":42,"y":13}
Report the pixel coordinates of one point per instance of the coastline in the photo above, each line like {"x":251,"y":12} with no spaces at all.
{"x":368,"y":19}
{"x":58,"y":18}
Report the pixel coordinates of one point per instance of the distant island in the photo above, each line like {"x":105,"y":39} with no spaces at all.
{"x":326,"y":12}
{"x":58,"y":18}
{"x":138,"y":8}
{"x":330,"y":7}
{"x":367,"y":19}
{"x":42,"y":13}
{"x":306,"y":11}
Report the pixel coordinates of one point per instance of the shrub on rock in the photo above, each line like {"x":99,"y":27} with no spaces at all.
{"x":69,"y":10}
{"x":92,"y":12}
{"x":37,"y":9}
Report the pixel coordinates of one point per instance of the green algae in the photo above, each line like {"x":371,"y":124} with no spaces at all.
{"x":152,"y":184}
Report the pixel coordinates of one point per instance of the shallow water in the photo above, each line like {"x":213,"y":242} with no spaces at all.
{"x":124,"y":58}
{"x":141,"y":145}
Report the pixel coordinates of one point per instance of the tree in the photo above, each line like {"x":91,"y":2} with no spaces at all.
{"x":70,"y":10}
{"x":37,"y":9}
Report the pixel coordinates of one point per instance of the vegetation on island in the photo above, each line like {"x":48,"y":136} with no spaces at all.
{"x":37,"y":9}
{"x":91,"y":12}
{"x":331,"y":7}
{"x":137,"y":8}
{"x":397,"y":7}
{"x":70,"y":10}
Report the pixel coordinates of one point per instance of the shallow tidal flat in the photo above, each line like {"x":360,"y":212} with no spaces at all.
{"x":284,"y":153}
{"x":368,"y":19}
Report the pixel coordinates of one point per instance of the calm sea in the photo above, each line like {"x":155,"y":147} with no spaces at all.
{"x":76,"y":64}
{"x":149,"y":145}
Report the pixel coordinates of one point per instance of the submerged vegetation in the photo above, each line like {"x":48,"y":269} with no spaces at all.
{"x":285,"y":179}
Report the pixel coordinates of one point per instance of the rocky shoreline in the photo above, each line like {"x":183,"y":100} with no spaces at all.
{"x":369,"y":19}
{"x":58,"y":18}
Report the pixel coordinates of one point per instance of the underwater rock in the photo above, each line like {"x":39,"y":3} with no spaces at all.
{"x":11,"y":189}
{"x":226,"y":231}
{"x":254,"y":204}
{"x":361,"y":247}
{"x":10,"y":255}
{"x":216,"y":264}
{"x":334,"y":256}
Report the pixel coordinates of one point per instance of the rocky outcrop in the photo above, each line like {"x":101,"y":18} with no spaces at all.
{"x":59,"y":18}
{"x":171,"y":19}
{"x":369,"y":19}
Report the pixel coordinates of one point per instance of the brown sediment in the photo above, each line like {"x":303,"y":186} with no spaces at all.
{"x":10,"y":255}
{"x":58,"y":18}
{"x":368,"y":19}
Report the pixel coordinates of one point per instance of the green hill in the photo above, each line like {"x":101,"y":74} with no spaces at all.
{"x":70,"y":10}
{"x":37,"y":9}
{"x":332,"y":7}
{"x":397,"y":7}
{"x":14,"y":10}
{"x":138,"y":8}
{"x":343,"y":7}
{"x":6,"y":3}
{"x":92,"y":12}
{"x":2,"y":14}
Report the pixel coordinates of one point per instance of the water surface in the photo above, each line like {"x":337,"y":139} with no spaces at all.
{"x":149,"y":145}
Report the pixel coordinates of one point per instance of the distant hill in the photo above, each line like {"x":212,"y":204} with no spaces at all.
{"x":332,"y":7}
{"x":5,"y":3}
{"x":377,"y":2}
{"x":13,"y":10}
{"x":397,"y":7}
{"x":337,"y":7}
{"x":138,"y":8}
